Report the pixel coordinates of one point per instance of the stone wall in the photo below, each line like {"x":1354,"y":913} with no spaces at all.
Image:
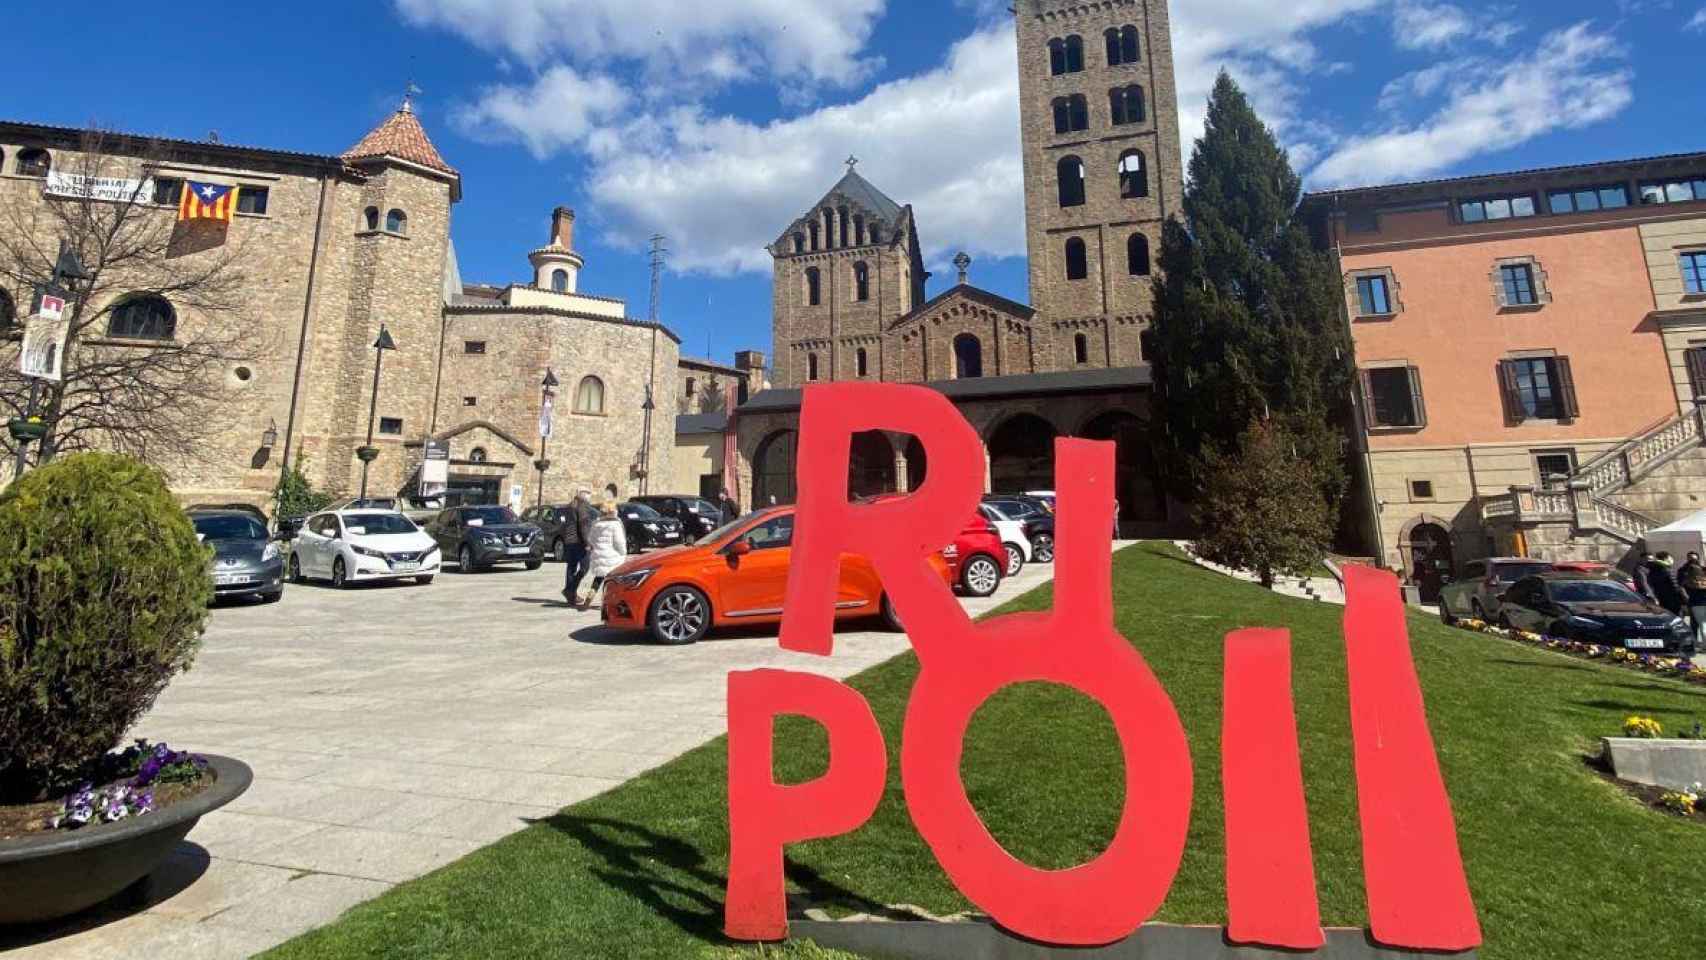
{"x":840,"y":324}
{"x":1672,"y":491}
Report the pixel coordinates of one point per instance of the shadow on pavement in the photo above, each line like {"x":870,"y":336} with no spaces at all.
{"x":182,"y":868}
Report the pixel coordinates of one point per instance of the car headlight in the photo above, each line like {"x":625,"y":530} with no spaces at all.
{"x":368,"y":552}
{"x":490,"y":538}
{"x":652,"y":527}
{"x":1679,"y":625}
{"x":270,"y":553}
{"x":635,"y":579}
{"x":431,"y":552}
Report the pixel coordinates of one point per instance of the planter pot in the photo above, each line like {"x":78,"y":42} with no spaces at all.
{"x":24,"y":431}
{"x":52,"y":875}
{"x":367,"y":454}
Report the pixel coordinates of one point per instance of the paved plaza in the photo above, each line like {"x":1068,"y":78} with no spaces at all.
{"x":393,"y":729}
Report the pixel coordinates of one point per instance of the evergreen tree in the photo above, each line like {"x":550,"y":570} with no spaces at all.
{"x":1247,"y":323}
{"x":1261,"y":508}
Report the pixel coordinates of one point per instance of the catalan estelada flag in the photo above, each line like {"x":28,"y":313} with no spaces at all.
{"x":207,"y":201}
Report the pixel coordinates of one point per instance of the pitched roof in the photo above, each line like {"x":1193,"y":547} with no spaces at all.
{"x":992,"y":300}
{"x":860,"y":191}
{"x":403,"y":138}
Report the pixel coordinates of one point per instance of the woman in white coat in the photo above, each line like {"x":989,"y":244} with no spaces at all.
{"x":607,"y":549}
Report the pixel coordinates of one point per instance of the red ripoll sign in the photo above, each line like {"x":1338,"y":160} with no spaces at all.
{"x":1418,"y":897}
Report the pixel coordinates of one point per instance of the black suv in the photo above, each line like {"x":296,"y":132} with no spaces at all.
{"x":555,"y":522}
{"x":648,"y":529}
{"x":481,"y":537}
{"x":697,"y":515}
{"x":1037,"y":517}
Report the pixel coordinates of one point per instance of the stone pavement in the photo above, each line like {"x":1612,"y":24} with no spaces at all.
{"x":1319,"y":589}
{"x":393,"y":730}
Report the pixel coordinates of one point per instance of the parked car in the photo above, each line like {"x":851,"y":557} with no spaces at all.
{"x":1476,"y":593}
{"x":247,"y":508}
{"x":1044,"y":497}
{"x":976,"y":559}
{"x":247,"y":562}
{"x":1036,"y":515}
{"x":648,"y":529}
{"x":553,"y":521}
{"x":698,"y":516}
{"x":738,"y":577}
{"x":1014,"y":537}
{"x":483,"y":537}
{"x":358,"y":546}
{"x":1592,"y":609}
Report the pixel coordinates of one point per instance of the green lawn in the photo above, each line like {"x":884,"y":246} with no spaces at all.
{"x":1561,"y":863}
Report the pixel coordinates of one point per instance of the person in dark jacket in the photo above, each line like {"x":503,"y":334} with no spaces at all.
{"x":577,"y":534}
{"x":729,"y":508}
{"x":1639,"y":575}
{"x":1663,"y":583}
{"x":1692,"y":579}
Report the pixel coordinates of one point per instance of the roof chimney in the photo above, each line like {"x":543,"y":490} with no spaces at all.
{"x":563,"y":228}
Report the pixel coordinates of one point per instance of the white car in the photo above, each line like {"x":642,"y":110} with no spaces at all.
{"x":357,"y":546}
{"x":1012,"y":534}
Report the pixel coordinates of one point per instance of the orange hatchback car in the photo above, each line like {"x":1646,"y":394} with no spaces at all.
{"x":736,"y":574}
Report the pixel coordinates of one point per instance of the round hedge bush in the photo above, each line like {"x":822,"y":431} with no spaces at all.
{"x":103,"y":596}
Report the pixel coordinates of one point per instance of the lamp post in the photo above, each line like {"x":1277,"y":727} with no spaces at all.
{"x":547,"y":390}
{"x":369,"y":452}
{"x":646,"y":443}
{"x":67,"y":267}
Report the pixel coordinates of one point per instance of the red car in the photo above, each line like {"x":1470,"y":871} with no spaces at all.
{"x":977,"y":559}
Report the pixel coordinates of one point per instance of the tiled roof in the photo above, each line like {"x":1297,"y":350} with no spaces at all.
{"x":966,"y":290}
{"x":401,"y":137}
{"x":1688,"y":161}
{"x":1092,"y":380}
{"x":859,"y":190}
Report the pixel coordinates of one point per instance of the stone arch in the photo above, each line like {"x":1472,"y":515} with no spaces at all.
{"x":871,"y":465}
{"x":773,"y":469}
{"x":917,"y":463}
{"x":1137,"y":475}
{"x":1021,"y":453}
{"x":1427,"y":548}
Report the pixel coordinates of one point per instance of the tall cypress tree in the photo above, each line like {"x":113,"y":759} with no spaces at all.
{"x":1247,"y":324}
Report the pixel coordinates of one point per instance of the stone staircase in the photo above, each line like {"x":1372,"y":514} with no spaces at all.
{"x":1609,"y":503}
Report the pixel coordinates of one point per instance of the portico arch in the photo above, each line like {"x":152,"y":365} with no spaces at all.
{"x":773,"y":469}
{"x":1137,"y":480}
{"x":1021,"y":454}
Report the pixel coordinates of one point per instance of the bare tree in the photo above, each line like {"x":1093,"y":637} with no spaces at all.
{"x":159,"y":398}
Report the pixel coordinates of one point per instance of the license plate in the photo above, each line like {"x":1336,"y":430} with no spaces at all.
{"x":231,"y":579}
{"x":401,"y":567}
{"x":518,"y":551}
{"x":1644,"y":643}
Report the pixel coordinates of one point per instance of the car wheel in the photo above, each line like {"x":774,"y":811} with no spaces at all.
{"x":1015,"y":559}
{"x":296,"y":570}
{"x":891,"y":617}
{"x":560,"y":551}
{"x":340,"y":575}
{"x":1479,"y":612}
{"x":465,"y":559}
{"x":535,"y":564}
{"x":423,"y":581}
{"x":680,"y":615}
{"x":1445,"y":615}
{"x":1042,"y":548}
{"x":981,"y":576}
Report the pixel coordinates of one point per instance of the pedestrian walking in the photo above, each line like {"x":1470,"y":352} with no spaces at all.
{"x":730,"y":509}
{"x":1662,"y":582}
{"x":1639,"y":574}
{"x":607,"y":549}
{"x":577,"y":530}
{"x":1692,"y":579}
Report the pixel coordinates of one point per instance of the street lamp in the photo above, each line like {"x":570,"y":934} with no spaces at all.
{"x":67,"y":268}
{"x":370,"y":453}
{"x":547,"y":388}
{"x":269,"y":436}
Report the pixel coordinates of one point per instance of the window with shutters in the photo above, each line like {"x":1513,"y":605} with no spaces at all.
{"x":1393,"y":398}
{"x":1695,"y":359}
{"x":1538,"y":388}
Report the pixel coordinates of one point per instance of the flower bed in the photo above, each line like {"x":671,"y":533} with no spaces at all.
{"x":133,"y":783}
{"x":1674,"y":667}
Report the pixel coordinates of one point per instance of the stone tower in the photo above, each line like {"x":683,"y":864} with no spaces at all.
{"x":843,"y":271}
{"x":1100,"y":124}
{"x":399,"y":248}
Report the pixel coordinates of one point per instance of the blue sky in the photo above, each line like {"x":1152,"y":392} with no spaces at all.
{"x":717,"y":123}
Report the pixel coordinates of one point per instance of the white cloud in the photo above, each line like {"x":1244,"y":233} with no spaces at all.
{"x":1575,"y":78}
{"x":946,"y":141}
{"x":561,"y":109}
{"x":1420,"y":26}
{"x":1699,"y":21}
{"x":820,"y":41}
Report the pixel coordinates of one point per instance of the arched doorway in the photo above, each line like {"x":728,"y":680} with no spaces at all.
{"x":1428,"y":553}
{"x":1021,"y":455}
{"x":917,"y":463}
{"x":1137,"y":484}
{"x":773,"y":469}
{"x":870,"y":465}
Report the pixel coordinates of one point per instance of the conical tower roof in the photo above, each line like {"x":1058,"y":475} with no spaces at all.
{"x":401,"y":138}
{"x":860,"y":191}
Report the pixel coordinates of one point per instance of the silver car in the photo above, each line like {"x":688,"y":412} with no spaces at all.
{"x":246,"y":561}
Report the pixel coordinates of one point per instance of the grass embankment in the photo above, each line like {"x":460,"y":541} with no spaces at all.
{"x":1562,"y":864}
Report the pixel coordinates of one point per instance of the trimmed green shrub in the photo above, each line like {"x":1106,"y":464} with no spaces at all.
{"x":103,"y":597}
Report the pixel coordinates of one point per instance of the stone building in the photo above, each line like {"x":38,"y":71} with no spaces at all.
{"x":331,"y":248}
{"x":1531,"y":346}
{"x":1100,"y":138}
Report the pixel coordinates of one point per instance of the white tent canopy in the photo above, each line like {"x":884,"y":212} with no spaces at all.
{"x":1681,"y":538}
